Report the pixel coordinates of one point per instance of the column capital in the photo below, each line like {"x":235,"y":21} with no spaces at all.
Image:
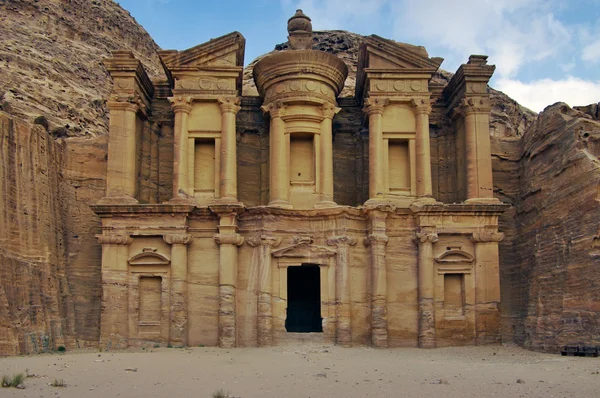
{"x":421,"y":106}
{"x":229,"y":239}
{"x":114,"y":239}
{"x":341,"y":240}
{"x":487,"y":236}
{"x":375,"y":106}
{"x":177,"y":239}
{"x":230,"y":104}
{"x":376,"y":239}
{"x":264,"y":240}
{"x":275,"y":109}
{"x":329,"y":110}
{"x":118,"y":104}
{"x":474,"y":105}
{"x":426,"y":237}
{"x":181,"y":104}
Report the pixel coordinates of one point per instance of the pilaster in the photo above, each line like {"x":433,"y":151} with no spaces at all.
{"x":487,"y":285}
{"x":425,"y":240}
{"x":279,"y":166}
{"x":265,"y":287}
{"x":325,"y":179}
{"x":178,"y":322}
{"x":228,"y":240}
{"x":374,"y":108}
{"x":228,"y":173}
{"x":114,"y":323}
{"x":422,"y":110}
{"x":377,"y":240}
{"x":342,"y":283}
{"x":182,"y":106}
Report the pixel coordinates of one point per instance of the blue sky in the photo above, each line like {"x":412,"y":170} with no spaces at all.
{"x":544,"y":50}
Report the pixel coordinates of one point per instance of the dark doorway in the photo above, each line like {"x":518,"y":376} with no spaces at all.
{"x":304,"y":299}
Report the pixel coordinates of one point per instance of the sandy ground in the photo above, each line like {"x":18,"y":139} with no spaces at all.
{"x":307,"y":370}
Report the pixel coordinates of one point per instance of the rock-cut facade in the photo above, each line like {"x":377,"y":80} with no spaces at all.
{"x":234,"y":220}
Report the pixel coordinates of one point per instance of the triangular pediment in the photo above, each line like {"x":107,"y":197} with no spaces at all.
{"x":379,"y":53}
{"x":224,"y":51}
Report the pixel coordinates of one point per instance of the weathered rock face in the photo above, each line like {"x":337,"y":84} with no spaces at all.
{"x":36,"y":301}
{"x":558,"y":229}
{"x":51,"y":56}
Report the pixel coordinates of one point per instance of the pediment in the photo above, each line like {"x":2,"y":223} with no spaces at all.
{"x":455,"y":256}
{"x":304,"y":250}
{"x":149,"y":258}
{"x":224,"y":51}
{"x":379,"y":53}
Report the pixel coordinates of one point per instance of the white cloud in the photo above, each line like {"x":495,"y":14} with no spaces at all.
{"x":538,"y":94}
{"x":591,"y":52}
{"x":512,"y":32}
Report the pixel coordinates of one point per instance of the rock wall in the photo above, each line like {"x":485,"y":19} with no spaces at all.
{"x":36,"y":300}
{"x":558,"y":230}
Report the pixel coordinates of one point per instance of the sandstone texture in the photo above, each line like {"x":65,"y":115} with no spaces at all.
{"x":52,"y":73}
{"x":51,"y":57}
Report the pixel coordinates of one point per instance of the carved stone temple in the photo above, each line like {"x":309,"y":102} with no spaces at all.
{"x":237,"y":220}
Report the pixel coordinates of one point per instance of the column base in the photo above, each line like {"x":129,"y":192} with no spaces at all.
{"x":325,"y":204}
{"x":282,"y":204}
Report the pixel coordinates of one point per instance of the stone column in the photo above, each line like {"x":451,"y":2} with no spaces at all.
{"x":422,"y":111}
{"x":342,"y":289}
{"x":478,"y":158}
{"x":179,"y":288}
{"x":279,"y":163}
{"x":374,"y":109}
{"x":182,"y":108}
{"x":377,"y":240}
{"x":228,"y":154}
{"x":326,"y":170}
{"x":487,"y":286}
{"x":425,"y":240}
{"x":265,"y":287}
{"x":121,"y":173}
{"x":228,"y":240}
{"x":114,"y":320}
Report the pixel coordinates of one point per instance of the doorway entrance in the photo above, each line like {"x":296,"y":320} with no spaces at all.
{"x":304,"y":299}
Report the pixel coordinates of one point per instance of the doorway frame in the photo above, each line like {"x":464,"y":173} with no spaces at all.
{"x":304,"y":252}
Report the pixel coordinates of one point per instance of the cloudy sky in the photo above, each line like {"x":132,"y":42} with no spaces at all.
{"x":544,"y":50}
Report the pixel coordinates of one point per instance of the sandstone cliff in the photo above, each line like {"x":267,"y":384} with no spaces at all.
{"x":558,"y":229}
{"x":51,"y":56}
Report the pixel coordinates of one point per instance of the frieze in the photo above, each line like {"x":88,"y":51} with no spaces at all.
{"x":205,"y":84}
{"x":399,"y":86}
{"x":300,"y":86}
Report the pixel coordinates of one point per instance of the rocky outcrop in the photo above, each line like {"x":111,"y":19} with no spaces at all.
{"x":51,"y":56}
{"x":558,"y":230}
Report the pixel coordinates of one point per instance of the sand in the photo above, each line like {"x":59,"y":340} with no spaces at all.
{"x":307,"y":370}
